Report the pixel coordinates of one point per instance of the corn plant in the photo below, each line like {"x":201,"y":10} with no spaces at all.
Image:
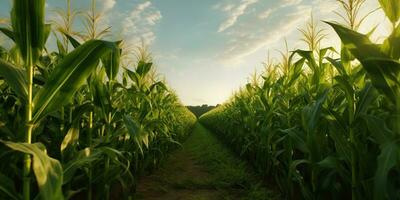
{"x":118,"y":125}
{"x":323,"y":126}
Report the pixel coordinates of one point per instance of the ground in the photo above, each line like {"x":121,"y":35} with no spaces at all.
{"x":203,"y":169}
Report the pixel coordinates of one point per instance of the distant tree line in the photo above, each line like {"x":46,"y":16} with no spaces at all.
{"x":200,"y":110}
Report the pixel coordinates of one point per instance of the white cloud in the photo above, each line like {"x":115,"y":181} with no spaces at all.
{"x":266,"y":14}
{"x":139,"y":23}
{"x":107,"y":5}
{"x":287,"y":3}
{"x":235,"y":13}
{"x":325,"y":6}
{"x":246,"y":41}
{"x":153,"y":18}
{"x":140,"y":8}
{"x":228,"y":7}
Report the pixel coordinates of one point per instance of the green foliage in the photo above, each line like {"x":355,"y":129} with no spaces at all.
{"x":326,"y":127}
{"x":48,"y":171}
{"x":85,"y":131}
{"x":30,"y":32}
{"x":68,"y":76}
{"x":15,"y":77}
{"x":392,"y":9}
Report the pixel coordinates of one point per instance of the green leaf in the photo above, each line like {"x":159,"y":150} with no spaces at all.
{"x":131,"y":125}
{"x":48,"y":171}
{"x":27,"y":19}
{"x":293,"y":168}
{"x":338,"y":65}
{"x":378,"y":129}
{"x":323,"y":52}
{"x":391,"y":45}
{"x":7,"y":188}
{"x":346,"y":57}
{"x":133,"y":76}
{"x":311,"y":113}
{"x":83,"y":158}
{"x":80,"y":110}
{"x":100,"y":93}
{"x":111,"y":63}
{"x":346,"y":86}
{"x":296,"y":70}
{"x":359,"y":44}
{"x":392,"y":9}
{"x":68,"y":76}
{"x":46,"y":32}
{"x":73,"y":41}
{"x":143,"y":68}
{"x":9,"y":33}
{"x":329,"y":162}
{"x":71,"y":137}
{"x":15,"y":78}
{"x":309,"y":56}
{"x":382,"y":70}
{"x":366,"y":97}
{"x":297,"y":139}
{"x":136,"y":132}
{"x":389,"y":158}
{"x":384,"y":75}
{"x":61,"y":48}
{"x":158,"y":84}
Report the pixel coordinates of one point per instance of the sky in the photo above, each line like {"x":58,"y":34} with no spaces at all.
{"x":207,"y":49}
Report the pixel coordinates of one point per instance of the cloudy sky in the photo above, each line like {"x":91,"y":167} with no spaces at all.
{"x":206,"y":49}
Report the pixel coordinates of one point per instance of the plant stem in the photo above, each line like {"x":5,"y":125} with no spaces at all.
{"x":353,"y":148}
{"x":28,"y":134}
{"x":90,"y":147}
{"x":107,"y":166}
{"x":108,"y":134}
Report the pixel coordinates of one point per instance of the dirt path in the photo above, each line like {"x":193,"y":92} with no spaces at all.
{"x":202,"y":169}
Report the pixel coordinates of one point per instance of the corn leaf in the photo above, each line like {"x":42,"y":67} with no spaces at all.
{"x":382,"y":70}
{"x":9,"y":33}
{"x":82,"y":159}
{"x":389,"y":157}
{"x":143,"y":68}
{"x":72,"y":40}
{"x":111,"y":63}
{"x":383,"y":74}
{"x":338,"y":65}
{"x":392,"y":9}
{"x":71,"y":137}
{"x":15,"y":78}
{"x":366,"y":97}
{"x":48,"y":171}
{"x":344,"y":83}
{"x":69,"y":75}
{"x":391,"y":45}
{"x":311,"y":114}
{"x":358,"y":44}
{"x":27,"y":18}
{"x":377,"y":127}
{"x":7,"y":188}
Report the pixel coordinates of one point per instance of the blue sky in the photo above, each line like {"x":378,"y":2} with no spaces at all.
{"x":207,"y":49}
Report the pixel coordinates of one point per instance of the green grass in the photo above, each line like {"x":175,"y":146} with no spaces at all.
{"x":206,"y":168}
{"x":225,"y":168}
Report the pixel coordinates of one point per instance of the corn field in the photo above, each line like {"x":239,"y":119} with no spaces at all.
{"x":87,"y":120}
{"x":323,"y":123}
{"x":80,"y":122}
